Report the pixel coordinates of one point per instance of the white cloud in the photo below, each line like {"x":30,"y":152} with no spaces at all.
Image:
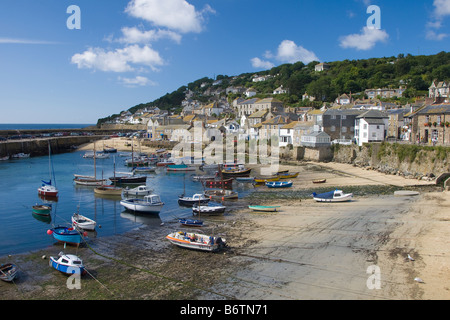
{"x":365,"y":40}
{"x":134,"y":35}
{"x":433,"y":35}
{"x":176,"y":15}
{"x":289,"y":52}
{"x":138,"y":81}
{"x":258,"y":63}
{"x":441,"y":8}
{"x":119,"y":60}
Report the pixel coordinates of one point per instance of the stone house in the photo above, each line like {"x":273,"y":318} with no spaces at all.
{"x":433,"y":124}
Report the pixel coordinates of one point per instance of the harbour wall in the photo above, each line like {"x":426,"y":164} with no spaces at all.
{"x":39,"y":147}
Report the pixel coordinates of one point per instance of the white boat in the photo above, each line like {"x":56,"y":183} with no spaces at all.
{"x":333,"y":196}
{"x":144,"y":169}
{"x":88,"y":180}
{"x":196,"y":241}
{"x":150,"y":204}
{"x":47,"y":189}
{"x":20,"y":155}
{"x":83,"y":222}
{"x":208,"y":209}
{"x":138,"y":191}
{"x":264,"y":208}
{"x":5,"y":158}
{"x":98,"y":155}
{"x":195,"y":199}
{"x":68,"y":264}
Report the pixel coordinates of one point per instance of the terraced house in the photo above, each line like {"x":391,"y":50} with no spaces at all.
{"x":433,"y":125}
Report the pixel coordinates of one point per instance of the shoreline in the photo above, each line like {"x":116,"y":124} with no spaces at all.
{"x":308,"y":250}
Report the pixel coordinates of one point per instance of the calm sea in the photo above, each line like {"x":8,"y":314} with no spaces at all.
{"x":33,"y":126}
{"x":21,"y":231}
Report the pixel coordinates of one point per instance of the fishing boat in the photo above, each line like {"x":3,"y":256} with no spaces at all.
{"x":233,"y":173}
{"x":220,"y":194}
{"x":196,"y":241}
{"x":279,"y":184}
{"x":108,"y":190}
{"x":83,"y":222}
{"x":8,"y":272}
{"x":66,"y":235}
{"x":150,"y":204}
{"x":288,"y":175}
{"x":191,"y":222}
{"x":333,"y":196}
{"x":180,"y":167}
{"x":42,"y":209}
{"x":267,"y":179}
{"x":68,"y":264}
{"x":208,"y":209}
{"x":47,"y":189}
{"x":138,"y":191}
{"x":195,"y":199}
{"x":319,"y":181}
{"x":222,"y":183}
{"x":264,"y":208}
{"x":245,"y":179}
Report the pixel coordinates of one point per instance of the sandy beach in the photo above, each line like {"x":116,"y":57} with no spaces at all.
{"x":356,"y":250}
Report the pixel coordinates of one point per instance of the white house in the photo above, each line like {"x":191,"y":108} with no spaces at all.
{"x":287,"y":134}
{"x":371,"y":126}
{"x":250,"y":92}
{"x":280,"y":90}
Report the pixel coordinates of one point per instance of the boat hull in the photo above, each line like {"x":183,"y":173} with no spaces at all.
{"x":191,"y":222}
{"x":108,"y":191}
{"x":42,"y":210}
{"x":203,"y":243}
{"x":185,"y":202}
{"x":8,"y":272}
{"x":66,"y":269}
{"x":208,"y":210}
{"x":237,"y":173}
{"x":67,"y":235}
{"x":276,"y":184}
{"x":264,"y":208}
{"x":137,"y":205}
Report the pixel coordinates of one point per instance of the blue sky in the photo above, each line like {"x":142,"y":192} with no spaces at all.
{"x":134,"y":51}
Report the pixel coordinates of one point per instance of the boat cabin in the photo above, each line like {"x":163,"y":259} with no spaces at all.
{"x":153,"y":199}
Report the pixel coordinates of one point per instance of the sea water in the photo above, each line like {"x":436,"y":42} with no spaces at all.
{"x":21,"y":231}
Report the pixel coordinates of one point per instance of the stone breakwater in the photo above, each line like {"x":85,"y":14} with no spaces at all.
{"x":39,"y":147}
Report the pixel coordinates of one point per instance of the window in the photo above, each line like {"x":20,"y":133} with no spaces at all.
{"x":333,"y":128}
{"x":343,"y":117}
{"x":365,"y":126}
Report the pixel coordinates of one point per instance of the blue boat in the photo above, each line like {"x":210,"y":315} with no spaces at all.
{"x":66,"y":235}
{"x":68,"y":264}
{"x":180,"y":167}
{"x":279,"y":184}
{"x":191,"y":222}
{"x":333,"y":196}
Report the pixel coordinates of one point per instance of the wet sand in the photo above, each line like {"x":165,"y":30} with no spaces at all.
{"x":307,"y":251}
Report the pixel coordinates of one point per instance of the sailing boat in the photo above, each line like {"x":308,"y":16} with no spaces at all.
{"x":47,"y":189}
{"x":89,"y":180}
{"x":109,"y":190}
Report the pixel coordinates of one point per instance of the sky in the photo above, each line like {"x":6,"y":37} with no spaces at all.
{"x":80,"y":60}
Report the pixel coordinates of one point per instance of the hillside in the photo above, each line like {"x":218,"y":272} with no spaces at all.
{"x":348,"y":76}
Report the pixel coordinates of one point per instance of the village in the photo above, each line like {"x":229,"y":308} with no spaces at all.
{"x":348,"y":120}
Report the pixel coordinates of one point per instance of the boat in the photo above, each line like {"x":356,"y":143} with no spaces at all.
{"x":264,"y":208}
{"x":279,"y":184}
{"x":202,"y":177}
{"x":91,"y":181}
{"x":5,"y":158}
{"x":191,"y":222}
{"x":83,"y":222}
{"x":225,"y":183}
{"x":208,"y":209}
{"x":220,"y":194}
{"x":195,"y":199}
{"x":144,"y":169}
{"x":179,"y":167}
{"x":66,"y":235}
{"x":128,"y":179}
{"x":108,"y":190}
{"x":288,"y":175}
{"x":196,"y":241}
{"x":109,"y":150}
{"x":245,"y":179}
{"x":320,"y":181}
{"x":333,"y":196}
{"x":47,"y":189}
{"x":42,"y":209}
{"x":267,"y":179}
{"x":20,"y":155}
{"x":150,"y":204}
{"x":68,"y":264}
{"x":165,"y":163}
{"x":233,"y":173}
{"x":8,"y":272}
{"x":138,"y":191}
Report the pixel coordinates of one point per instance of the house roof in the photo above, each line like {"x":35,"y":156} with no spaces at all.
{"x":435,"y":109}
{"x":372,"y":114}
{"x":290,"y":125}
{"x":269,"y":100}
{"x":259,"y":114}
{"x":275,"y":120}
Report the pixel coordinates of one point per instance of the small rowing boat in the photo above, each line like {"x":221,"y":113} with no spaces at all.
{"x":264,"y":208}
{"x":196,"y":241}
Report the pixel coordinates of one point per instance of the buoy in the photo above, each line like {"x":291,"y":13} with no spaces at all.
{"x":85,"y":234}
{"x":49,"y":232}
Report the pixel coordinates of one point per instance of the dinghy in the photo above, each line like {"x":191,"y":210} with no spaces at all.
{"x":196,"y":241}
{"x":195,"y":199}
{"x":83,"y":222}
{"x":279,"y":184}
{"x":264,"y":208}
{"x":68,"y":264}
{"x":8,"y":272}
